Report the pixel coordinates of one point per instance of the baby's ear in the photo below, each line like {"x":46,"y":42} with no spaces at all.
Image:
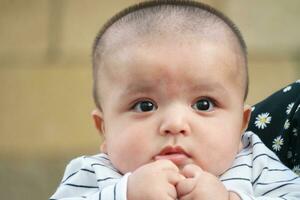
{"x":246,"y":117}
{"x":98,"y":120}
{"x":99,"y":123}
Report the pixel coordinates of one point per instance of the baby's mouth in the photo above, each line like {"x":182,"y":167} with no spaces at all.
{"x":175,"y":154}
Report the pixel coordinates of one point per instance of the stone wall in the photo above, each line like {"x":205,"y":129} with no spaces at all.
{"x":45,"y":78}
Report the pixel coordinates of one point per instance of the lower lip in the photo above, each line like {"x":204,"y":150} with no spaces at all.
{"x":176,"y":158}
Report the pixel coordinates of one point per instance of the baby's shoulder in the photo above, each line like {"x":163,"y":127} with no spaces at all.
{"x":97,"y":165}
{"x":255,"y":149}
{"x":89,"y":161}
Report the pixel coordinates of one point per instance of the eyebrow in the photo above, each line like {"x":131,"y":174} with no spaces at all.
{"x":143,"y":87}
{"x":208,"y":86}
{"x":215,"y":88}
{"x":151,"y":86}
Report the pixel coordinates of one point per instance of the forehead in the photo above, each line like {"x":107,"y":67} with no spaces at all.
{"x":150,"y":62}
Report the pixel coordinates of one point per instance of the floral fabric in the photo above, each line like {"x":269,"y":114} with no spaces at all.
{"x":276,"y":120}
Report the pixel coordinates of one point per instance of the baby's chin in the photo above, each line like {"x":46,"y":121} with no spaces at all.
{"x":132,"y":168}
{"x":124,"y":169}
{"x":181,"y":166}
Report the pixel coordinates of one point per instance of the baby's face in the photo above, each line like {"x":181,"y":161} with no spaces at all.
{"x":176,"y":101}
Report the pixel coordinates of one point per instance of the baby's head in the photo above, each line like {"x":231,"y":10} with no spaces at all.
{"x":170,"y":80}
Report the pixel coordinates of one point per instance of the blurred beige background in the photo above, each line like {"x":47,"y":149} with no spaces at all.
{"x":45,"y":78}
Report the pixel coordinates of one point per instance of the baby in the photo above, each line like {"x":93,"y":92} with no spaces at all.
{"x":170,"y":83}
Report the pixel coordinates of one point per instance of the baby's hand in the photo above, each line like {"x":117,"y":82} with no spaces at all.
{"x":201,"y":185}
{"x":155,"y":180}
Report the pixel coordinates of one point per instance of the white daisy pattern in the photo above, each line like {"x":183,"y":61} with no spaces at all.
{"x":289,"y":108}
{"x":288,"y":88}
{"x":262,"y":120}
{"x":287,"y":124}
{"x":298,"y":81}
{"x":295,"y":132}
{"x":277,"y":143}
{"x":296,"y":169}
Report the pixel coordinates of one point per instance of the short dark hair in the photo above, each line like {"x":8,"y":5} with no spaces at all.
{"x":139,"y":11}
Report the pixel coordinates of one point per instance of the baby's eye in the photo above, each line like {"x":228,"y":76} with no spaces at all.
{"x":204,"y":105}
{"x":144,"y":106}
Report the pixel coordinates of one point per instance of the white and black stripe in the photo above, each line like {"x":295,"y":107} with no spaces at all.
{"x":255,"y":173}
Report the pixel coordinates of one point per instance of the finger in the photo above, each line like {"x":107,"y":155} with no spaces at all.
{"x":186,"y":197}
{"x":172,"y":193}
{"x":174,"y":177}
{"x":166,"y":165}
{"x":191,"y":171}
{"x":185,"y":186}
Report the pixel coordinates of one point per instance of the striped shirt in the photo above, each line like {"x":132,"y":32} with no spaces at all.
{"x":256,"y":173}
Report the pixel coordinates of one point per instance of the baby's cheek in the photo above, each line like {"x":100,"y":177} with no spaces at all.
{"x":127,"y":154}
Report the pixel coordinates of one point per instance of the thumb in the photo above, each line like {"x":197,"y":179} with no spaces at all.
{"x":191,"y":171}
{"x":185,"y":186}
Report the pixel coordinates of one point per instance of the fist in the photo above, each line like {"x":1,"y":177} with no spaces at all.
{"x":200,"y":185}
{"x":156,"y":180}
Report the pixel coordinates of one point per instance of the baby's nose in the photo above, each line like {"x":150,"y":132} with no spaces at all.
{"x":175,"y":124}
